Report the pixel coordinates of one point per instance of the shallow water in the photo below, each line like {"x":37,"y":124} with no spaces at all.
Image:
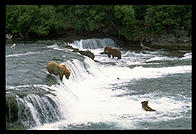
{"x":104,"y":94}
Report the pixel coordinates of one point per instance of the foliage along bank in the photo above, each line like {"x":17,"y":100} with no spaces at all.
{"x":128,"y":22}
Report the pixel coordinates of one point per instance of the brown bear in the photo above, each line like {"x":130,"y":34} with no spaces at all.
{"x":115,"y":52}
{"x":146,"y":107}
{"x":57,"y":69}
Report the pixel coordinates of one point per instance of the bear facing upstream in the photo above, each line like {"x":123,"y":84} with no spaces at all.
{"x":112,"y":51}
{"x":57,"y":69}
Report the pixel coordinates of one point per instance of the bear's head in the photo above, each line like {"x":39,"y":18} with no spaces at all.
{"x":106,"y":49}
{"x":67,"y":73}
{"x":144,"y":103}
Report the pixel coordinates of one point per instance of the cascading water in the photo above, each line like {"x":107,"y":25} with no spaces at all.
{"x":93,"y":43}
{"x":101,"y":94}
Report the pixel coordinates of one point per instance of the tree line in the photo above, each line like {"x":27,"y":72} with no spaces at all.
{"x":131,"y":22}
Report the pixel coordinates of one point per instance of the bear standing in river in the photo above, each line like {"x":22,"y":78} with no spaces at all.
{"x":57,"y":69}
{"x":112,"y":51}
{"x":146,"y":107}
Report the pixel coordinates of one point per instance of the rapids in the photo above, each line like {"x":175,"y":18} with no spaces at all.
{"x":101,"y":94}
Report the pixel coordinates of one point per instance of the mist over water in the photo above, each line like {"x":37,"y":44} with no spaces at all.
{"x":101,"y":94}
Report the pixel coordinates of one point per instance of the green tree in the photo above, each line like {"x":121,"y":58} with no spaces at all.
{"x":12,"y":14}
{"x":131,"y":22}
{"x":125,"y":21}
{"x":140,"y":13}
{"x":168,"y":19}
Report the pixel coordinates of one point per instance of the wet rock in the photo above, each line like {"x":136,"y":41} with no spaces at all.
{"x":103,"y":53}
{"x":180,"y":40}
{"x":11,"y":109}
{"x":75,"y":49}
{"x":86,"y":53}
{"x":14,"y":126}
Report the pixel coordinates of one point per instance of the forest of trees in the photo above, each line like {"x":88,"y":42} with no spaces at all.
{"x":131,"y":22}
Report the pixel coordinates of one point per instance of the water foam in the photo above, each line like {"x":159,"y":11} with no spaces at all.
{"x":88,"y":99}
{"x":22,"y":54}
{"x":126,"y":73}
{"x":187,"y":56}
{"x":156,"y":58}
{"x":98,"y":107}
{"x":56,"y":47}
{"x":89,"y":96}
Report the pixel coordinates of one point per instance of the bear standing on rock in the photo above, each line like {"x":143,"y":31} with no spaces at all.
{"x":112,"y":51}
{"x":57,"y":69}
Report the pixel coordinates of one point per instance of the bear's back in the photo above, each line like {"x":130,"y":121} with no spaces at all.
{"x":53,"y":67}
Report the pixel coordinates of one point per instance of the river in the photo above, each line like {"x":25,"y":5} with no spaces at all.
{"x":101,"y":94}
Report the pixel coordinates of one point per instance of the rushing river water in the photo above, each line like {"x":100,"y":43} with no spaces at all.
{"x":101,"y":94}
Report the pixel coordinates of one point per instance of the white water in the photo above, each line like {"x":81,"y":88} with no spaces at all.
{"x":93,"y":94}
{"x":89,"y":96}
{"x":93,"y":43}
{"x":22,"y":54}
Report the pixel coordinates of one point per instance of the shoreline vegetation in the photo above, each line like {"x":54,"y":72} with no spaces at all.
{"x":153,"y":26}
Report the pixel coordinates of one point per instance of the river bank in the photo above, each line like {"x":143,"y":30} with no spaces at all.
{"x":179,"y":41}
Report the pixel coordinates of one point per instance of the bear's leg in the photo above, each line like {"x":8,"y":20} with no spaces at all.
{"x":61,"y":77}
{"x":109,"y":55}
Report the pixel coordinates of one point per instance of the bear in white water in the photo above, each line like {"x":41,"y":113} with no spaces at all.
{"x":57,"y":69}
{"x":146,"y":107}
{"x":114,"y":52}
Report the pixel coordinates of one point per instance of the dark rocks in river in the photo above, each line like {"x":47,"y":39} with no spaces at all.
{"x":103,"y":53}
{"x":146,"y":107}
{"x":86,"y":53}
{"x":11,"y":109}
{"x":74,"y":49}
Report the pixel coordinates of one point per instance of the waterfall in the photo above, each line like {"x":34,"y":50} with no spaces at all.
{"x":80,"y":70}
{"x":34,"y":110}
{"x":46,"y":104}
{"x":93,"y":43}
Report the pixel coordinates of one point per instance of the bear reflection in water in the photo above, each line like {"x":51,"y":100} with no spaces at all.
{"x":57,"y":69}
